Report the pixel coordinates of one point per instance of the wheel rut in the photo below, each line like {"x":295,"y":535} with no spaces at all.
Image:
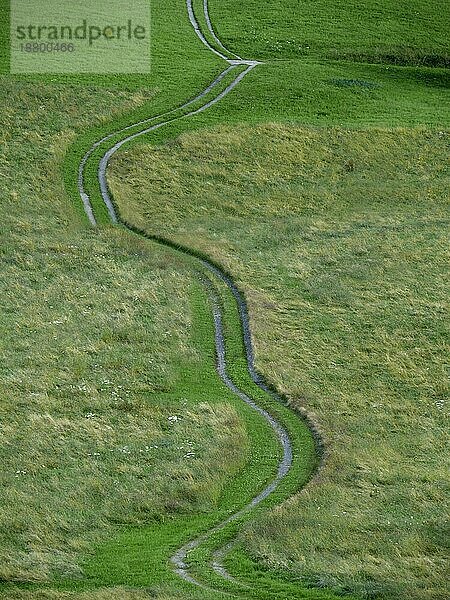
{"x":235,"y":63}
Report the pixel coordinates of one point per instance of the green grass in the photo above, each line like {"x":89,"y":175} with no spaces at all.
{"x":84,"y":391}
{"x":86,"y":394}
{"x":338,"y":238}
{"x":81,"y":379}
{"x":105,"y":335}
{"x":413,"y":32}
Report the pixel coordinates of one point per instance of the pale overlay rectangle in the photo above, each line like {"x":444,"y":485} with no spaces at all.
{"x":80,"y":36}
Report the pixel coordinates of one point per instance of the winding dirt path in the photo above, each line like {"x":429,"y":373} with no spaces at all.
{"x":235,"y":62}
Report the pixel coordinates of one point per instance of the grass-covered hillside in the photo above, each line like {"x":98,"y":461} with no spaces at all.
{"x":320,"y":184}
{"x":93,"y":325}
{"x":407,"y":32}
{"x":97,"y":334}
{"x":339,"y":239}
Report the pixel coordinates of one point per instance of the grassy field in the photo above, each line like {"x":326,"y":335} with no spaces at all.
{"x":105,"y":336}
{"x":408,"y":32}
{"x":90,"y":333}
{"x":78,"y":431}
{"x":104,"y":339}
{"x":338,"y":238}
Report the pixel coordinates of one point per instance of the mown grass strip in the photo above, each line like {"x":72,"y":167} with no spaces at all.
{"x":78,"y":149}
